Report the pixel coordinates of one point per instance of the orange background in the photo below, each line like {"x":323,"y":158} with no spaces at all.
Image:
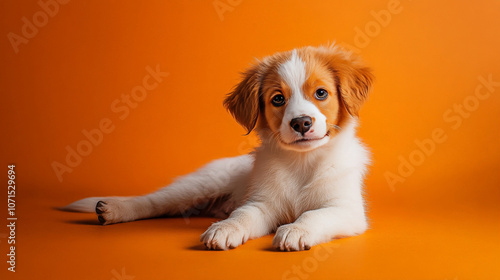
{"x":440,"y":223}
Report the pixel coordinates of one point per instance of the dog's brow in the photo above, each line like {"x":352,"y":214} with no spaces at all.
{"x":293,"y":72}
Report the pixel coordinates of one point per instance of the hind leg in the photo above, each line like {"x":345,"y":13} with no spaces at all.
{"x":219,"y":178}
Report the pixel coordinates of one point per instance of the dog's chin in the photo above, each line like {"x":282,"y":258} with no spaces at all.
{"x":305,"y":145}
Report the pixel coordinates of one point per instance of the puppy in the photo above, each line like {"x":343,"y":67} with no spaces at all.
{"x":304,"y":182}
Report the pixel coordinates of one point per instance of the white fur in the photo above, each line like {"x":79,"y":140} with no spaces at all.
{"x":314,"y":196}
{"x":308,"y":196}
{"x":294,"y":75}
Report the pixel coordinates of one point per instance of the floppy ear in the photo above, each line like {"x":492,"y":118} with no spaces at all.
{"x":354,"y":80}
{"x":243,"y":101}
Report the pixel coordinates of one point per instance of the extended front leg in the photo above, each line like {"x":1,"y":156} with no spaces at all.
{"x":318,"y":226}
{"x":250,"y":221}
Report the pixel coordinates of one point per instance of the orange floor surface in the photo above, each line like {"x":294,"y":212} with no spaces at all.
{"x":70,"y":69}
{"x":407,"y":240}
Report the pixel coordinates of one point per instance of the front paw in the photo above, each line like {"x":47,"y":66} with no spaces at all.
{"x":224,"y":235}
{"x":292,"y":237}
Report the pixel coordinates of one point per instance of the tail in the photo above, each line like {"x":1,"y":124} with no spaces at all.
{"x":88,"y":204}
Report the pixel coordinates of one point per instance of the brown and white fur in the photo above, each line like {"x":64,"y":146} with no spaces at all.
{"x":304,"y":181}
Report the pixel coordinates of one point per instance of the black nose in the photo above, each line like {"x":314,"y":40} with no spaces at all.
{"x":301,"y":124}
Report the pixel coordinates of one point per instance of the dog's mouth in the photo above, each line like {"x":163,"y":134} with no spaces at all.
{"x":308,"y":140}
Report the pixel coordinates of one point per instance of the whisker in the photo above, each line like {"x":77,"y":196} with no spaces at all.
{"x":336,"y":127}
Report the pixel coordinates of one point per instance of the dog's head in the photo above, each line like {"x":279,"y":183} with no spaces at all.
{"x":301,"y":98}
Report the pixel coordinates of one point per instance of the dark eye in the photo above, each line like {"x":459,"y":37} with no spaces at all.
{"x":278,"y":100}
{"x":321,"y":94}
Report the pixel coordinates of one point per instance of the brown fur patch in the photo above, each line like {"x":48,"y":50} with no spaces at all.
{"x":354,"y":80}
{"x":273,"y":115}
{"x":319,"y":76}
{"x":243,"y":101}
